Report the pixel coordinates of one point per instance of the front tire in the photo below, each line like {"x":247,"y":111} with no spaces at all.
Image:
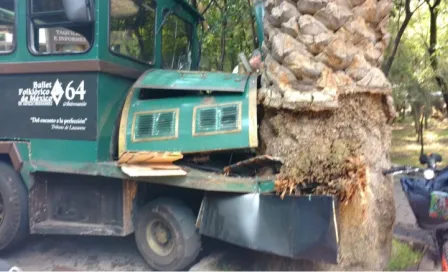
{"x":166,"y":235}
{"x":13,"y":208}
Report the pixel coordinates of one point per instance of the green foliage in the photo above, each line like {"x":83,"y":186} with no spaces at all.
{"x":176,"y":35}
{"x":411,"y":73}
{"x":235,"y":20}
{"x":403,"y":256}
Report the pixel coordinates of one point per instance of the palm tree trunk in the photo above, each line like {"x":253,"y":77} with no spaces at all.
{"x":326,"y":104}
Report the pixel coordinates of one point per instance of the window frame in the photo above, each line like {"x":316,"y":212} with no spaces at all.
{"x":14,"y":32}
{"x":109,"y":46}
{"x":189,"y":37}
{"x":30,"y":38}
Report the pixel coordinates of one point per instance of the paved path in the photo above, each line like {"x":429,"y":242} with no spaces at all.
{"x":47,"y":253}
{"x":406,"y":228}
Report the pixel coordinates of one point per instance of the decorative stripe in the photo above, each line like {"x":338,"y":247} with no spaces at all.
{"x":253,"y":119}
{"x":124,"y":123}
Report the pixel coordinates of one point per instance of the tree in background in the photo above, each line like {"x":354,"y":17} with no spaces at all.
{"x":418,"y":65}
{"x":403,"y":15}
{"x":228,"y":31}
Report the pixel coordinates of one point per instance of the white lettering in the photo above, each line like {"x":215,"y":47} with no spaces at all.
{"x":76,"y":124}
{"x":43,"y":93}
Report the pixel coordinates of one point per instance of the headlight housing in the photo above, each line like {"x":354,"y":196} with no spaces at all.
{"x":429,"y":174}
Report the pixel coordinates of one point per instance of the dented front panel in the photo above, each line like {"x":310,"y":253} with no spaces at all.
{"x":156,"y":118}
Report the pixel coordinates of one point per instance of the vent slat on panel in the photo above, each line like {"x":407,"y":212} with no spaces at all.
{"x":229,"y":117}
{"x":207,"y":119}
{"x":156,"y":125}
{"x":145,"y":126}
{"x":217,"y":119}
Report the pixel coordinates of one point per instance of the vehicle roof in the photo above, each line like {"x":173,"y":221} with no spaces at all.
{"x":163,"y":79}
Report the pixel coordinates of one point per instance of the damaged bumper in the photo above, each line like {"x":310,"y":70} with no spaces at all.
{"x":298,"y":227}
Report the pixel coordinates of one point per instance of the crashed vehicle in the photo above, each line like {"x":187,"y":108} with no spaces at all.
{"x":107,"y":128}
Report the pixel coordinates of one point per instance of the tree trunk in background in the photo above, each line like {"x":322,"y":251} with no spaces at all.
{"x":432,"y":50}
{"x":326,"y":108}
{"x":223,"y":36}
{"x":252,"y":24}
{"x":408,"y":15}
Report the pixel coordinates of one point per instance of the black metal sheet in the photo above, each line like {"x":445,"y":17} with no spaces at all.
{"x":295,"y":227}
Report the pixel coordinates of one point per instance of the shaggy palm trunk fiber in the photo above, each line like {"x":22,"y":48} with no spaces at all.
{"x":326,"y":107}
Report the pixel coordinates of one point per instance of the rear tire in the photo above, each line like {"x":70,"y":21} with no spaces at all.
{"x":166,"y":235}
{"x":14,"y":208}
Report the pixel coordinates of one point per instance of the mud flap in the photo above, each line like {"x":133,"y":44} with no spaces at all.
{"x":295,"y":227}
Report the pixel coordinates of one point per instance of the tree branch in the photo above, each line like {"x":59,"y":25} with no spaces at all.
{"x":208,"y":6}
{"x":400,"y":33}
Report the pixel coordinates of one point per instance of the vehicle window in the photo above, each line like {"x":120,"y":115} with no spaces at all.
{"x":47,"y":5}
{"x":52,"y":33}
{"x":176,"y":51}
{"x":132,"y":29}
{"x":52,"y":10}
{"x":7,"y":23}
{"x":60,"y":40}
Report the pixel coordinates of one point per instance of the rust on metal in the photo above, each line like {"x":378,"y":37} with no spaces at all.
{"x":201,"y":213}
{"x":129,"y":194}
{"x":11,"y":150}
{"x":69,"y":67}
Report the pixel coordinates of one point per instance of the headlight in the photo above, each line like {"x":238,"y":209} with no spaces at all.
{"x":429,"y":174}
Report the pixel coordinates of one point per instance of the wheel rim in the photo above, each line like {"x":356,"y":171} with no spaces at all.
{"x":159,"y":237}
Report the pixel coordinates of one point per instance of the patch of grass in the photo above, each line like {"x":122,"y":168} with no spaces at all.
{"x":403,"y":256}
{"x":405,"y":150}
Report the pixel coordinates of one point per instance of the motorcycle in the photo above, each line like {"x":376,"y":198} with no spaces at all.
{"x":426,"y":190}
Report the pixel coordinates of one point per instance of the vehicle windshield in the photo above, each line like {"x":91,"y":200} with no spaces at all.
{"x":176,"y":46}
{"x":132,"y":29}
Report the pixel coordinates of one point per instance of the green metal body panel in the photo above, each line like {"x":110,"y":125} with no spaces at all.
{"x":112,"y":92}
{"x":94,"y":154}
{"x":187,"y":80}
{"x":185,"y":139}
{"x":195,"y":179}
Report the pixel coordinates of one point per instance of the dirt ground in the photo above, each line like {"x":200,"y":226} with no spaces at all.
{"x":83,"y":253}
{"x":63,"y":253}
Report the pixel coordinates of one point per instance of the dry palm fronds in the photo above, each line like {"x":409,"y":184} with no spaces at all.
{"x":351,"y":179}
{"x":285,"y":186}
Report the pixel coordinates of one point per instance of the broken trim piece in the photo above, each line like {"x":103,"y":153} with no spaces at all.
{"x":148,"y":171}
{"x":139,"y":157}
{"x":10,"y":149}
